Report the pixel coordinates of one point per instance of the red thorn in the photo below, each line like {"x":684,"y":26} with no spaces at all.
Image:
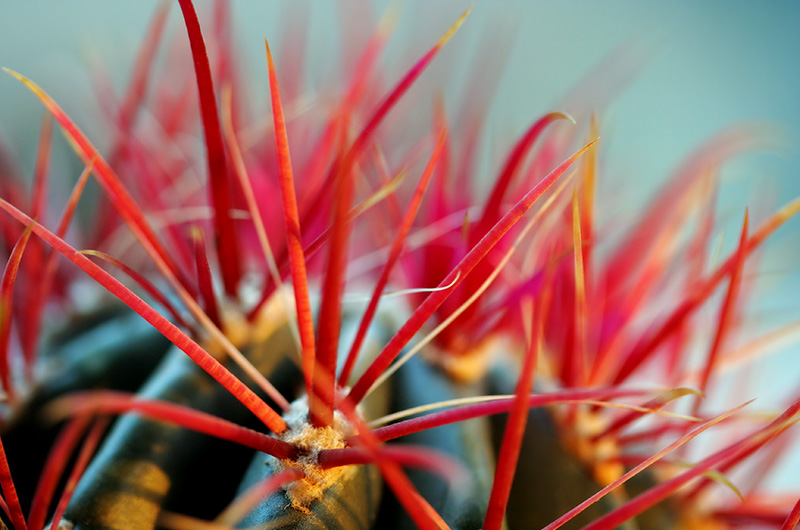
{"x":225,"y":232}
{"x":28,"y":323}
{"x":491,"y":211}
{"x":42,"y":291}
{"x":54,"y":467}
{"x":113,"y":402}
{"x":515,"y":427}
{"x":640,"y":352}
{"x":204,"y":280}
{"x":10,"y":493}
{"x":423,"y":515}
{"x":41,"y":171}
{"x":733,"y":452}
{"x":135,"y":95}
{"x":725,"y":315}
{"x":294,"y":241}
{"x":203,"y":359}
{"x":467,"y":412}
{"x":456,"y":276}
{"x":122,"y":200}
{"x":90,"y":444}
{"x":394,"y":254}
{"x":793,"y":519}
{"x":6,"y":302}
{"x":330,"y":316}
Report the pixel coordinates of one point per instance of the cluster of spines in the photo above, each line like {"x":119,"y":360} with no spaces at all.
{"x":318,"y":346}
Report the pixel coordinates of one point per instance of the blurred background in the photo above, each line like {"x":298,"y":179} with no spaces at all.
{"x":665,"y":76}
{"x":702,"y":65}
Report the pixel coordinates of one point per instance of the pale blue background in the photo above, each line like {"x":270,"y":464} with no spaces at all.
{"x":712,"y":64}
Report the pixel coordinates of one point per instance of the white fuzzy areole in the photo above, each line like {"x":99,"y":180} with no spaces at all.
{"x":312,"y":439}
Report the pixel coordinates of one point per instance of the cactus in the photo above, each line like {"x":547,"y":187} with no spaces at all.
{"x":537,"y":370}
